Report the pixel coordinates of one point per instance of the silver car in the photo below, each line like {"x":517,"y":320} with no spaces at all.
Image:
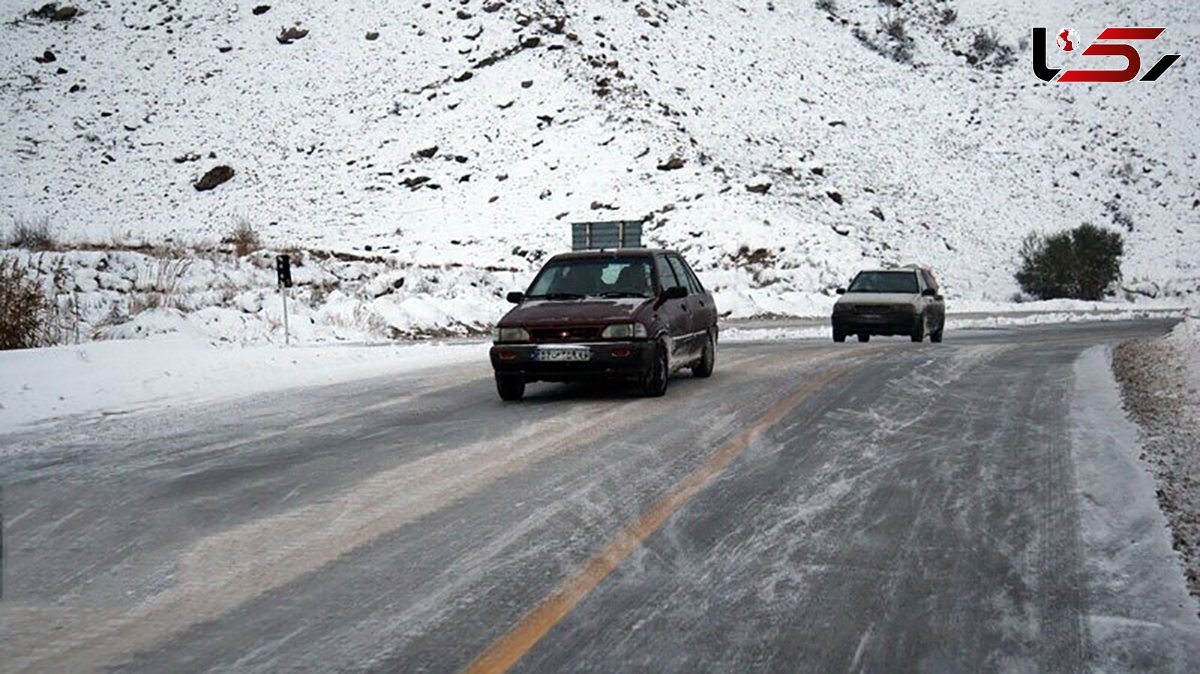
{"x":904,"y":301}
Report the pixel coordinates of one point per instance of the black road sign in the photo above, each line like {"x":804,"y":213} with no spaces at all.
{"x":283,"y":268}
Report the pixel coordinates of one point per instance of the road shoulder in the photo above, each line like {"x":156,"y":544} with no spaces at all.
{"x":1160,"y":383}
{"x":1140,"y":615}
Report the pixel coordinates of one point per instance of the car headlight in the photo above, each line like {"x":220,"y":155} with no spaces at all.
{"x":502,"y":335}
{"x":842,"y":308}
{"x":624,"y":331}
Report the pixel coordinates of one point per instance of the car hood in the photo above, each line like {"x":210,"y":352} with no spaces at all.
{"x":567,"y":312}
{"x":875,"y":299}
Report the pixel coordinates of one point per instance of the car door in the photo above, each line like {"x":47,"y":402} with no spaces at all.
{"x":705,"y":312}
{"x":693,"y":309}
{"x":937,"y":302}
{"x":673,"y":313}
{"x":925,"y":303}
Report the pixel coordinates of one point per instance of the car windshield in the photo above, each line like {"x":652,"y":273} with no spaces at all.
{"x":579,"y":278}
{"x":884,"y":282}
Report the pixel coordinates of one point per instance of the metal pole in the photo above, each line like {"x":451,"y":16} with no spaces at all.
{"x":286,"y":332}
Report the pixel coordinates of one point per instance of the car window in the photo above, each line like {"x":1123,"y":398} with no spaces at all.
{"x":681,"y":273}
{"x":693,"y":280}
{"x":884,"y":282}
{"x":578,"y":278}
{"x":666,"y":276}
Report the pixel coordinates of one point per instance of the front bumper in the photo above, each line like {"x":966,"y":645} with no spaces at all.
{"x":607,"y":360}
{"x":893,"y":323}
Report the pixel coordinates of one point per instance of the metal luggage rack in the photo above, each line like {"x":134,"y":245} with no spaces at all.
{"x":608,"y":235}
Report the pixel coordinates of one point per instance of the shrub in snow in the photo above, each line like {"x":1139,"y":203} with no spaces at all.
{"x":988,"y":50}
{"x":244,"y":239}
{"x":31,"y":312}
{"x":31,"y":236}
{"x":1084,"y":263}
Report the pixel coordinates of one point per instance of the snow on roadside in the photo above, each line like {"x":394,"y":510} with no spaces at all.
{"x":1185,"y":339}
{"x":1160,"y":380}
{"x":1140,"y":615}
{"x":120,"y":377}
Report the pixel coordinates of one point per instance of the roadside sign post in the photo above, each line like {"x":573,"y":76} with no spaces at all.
{"x":283,"y":270}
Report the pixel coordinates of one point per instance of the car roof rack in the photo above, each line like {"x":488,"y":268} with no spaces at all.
{"x":607,"y":235}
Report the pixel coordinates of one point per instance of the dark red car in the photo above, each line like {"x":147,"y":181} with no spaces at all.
{"x":627,"y":314}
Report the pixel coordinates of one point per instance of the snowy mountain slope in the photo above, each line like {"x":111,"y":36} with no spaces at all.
{"x":548,"y":112}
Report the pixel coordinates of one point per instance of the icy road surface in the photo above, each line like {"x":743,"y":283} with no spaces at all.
{"x":970,"y":506}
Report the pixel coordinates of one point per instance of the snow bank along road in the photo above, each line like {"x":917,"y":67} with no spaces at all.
{"x":970,"y":506}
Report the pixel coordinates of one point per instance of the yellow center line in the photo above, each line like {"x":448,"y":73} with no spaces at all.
{"x":507,"y":650}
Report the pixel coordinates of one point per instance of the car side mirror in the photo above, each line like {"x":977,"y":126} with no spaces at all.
{"x":674,"y":293}
{"x":516,"y":298}
{"x":929,"y":292}
{"x":841,"y":291}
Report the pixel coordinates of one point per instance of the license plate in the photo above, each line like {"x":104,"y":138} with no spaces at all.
{"x":562,"y":355}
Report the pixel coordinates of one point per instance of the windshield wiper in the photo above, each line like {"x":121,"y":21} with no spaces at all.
{"x":618,"y":294}
{"x":556,"y":296}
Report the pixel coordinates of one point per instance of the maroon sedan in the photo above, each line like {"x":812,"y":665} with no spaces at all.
{"x":630,"y":314}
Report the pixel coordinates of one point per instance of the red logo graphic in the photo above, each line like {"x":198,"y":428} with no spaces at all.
{"x":1065,"y":42}
{"x":1111,"y":42}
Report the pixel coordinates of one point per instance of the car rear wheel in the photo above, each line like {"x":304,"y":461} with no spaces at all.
{"x":708,"y":360}
{"x":936,"y":337}
{"x":654,"y":379}
{"x":511,"y":389}
{"x":864,"y":338}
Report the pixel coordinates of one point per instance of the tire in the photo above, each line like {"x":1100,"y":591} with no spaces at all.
{"x":864,"y":338}
{"x":936,"y":337}
{"x":654,"y":379}
{"x":839,"y":337}
{"x":708,"y":360}
{"x":511,"y":389}
{"x":918,"y":333}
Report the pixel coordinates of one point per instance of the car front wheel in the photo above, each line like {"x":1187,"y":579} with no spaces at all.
{"x":510,"y":389}
{"x":654,"y":379}
{"x":918,"y":333}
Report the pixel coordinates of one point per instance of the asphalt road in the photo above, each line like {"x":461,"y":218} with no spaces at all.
{"x":811,"y":507}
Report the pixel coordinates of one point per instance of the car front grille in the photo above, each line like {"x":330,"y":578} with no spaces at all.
{"x":563,"y":335}
{"x":881,"y":310}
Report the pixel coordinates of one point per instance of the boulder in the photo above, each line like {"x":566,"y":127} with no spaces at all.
{"x":215,"y":177}
{"x":759,"y":185}
{"x":673,"y":164}
{"x":291,"y":34}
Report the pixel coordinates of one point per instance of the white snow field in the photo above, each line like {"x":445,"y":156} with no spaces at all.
{"x":466,"y":136}
{"x":110,"y":378}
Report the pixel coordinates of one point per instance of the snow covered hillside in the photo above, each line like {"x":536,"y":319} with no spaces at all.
{"x":780,"y":145}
